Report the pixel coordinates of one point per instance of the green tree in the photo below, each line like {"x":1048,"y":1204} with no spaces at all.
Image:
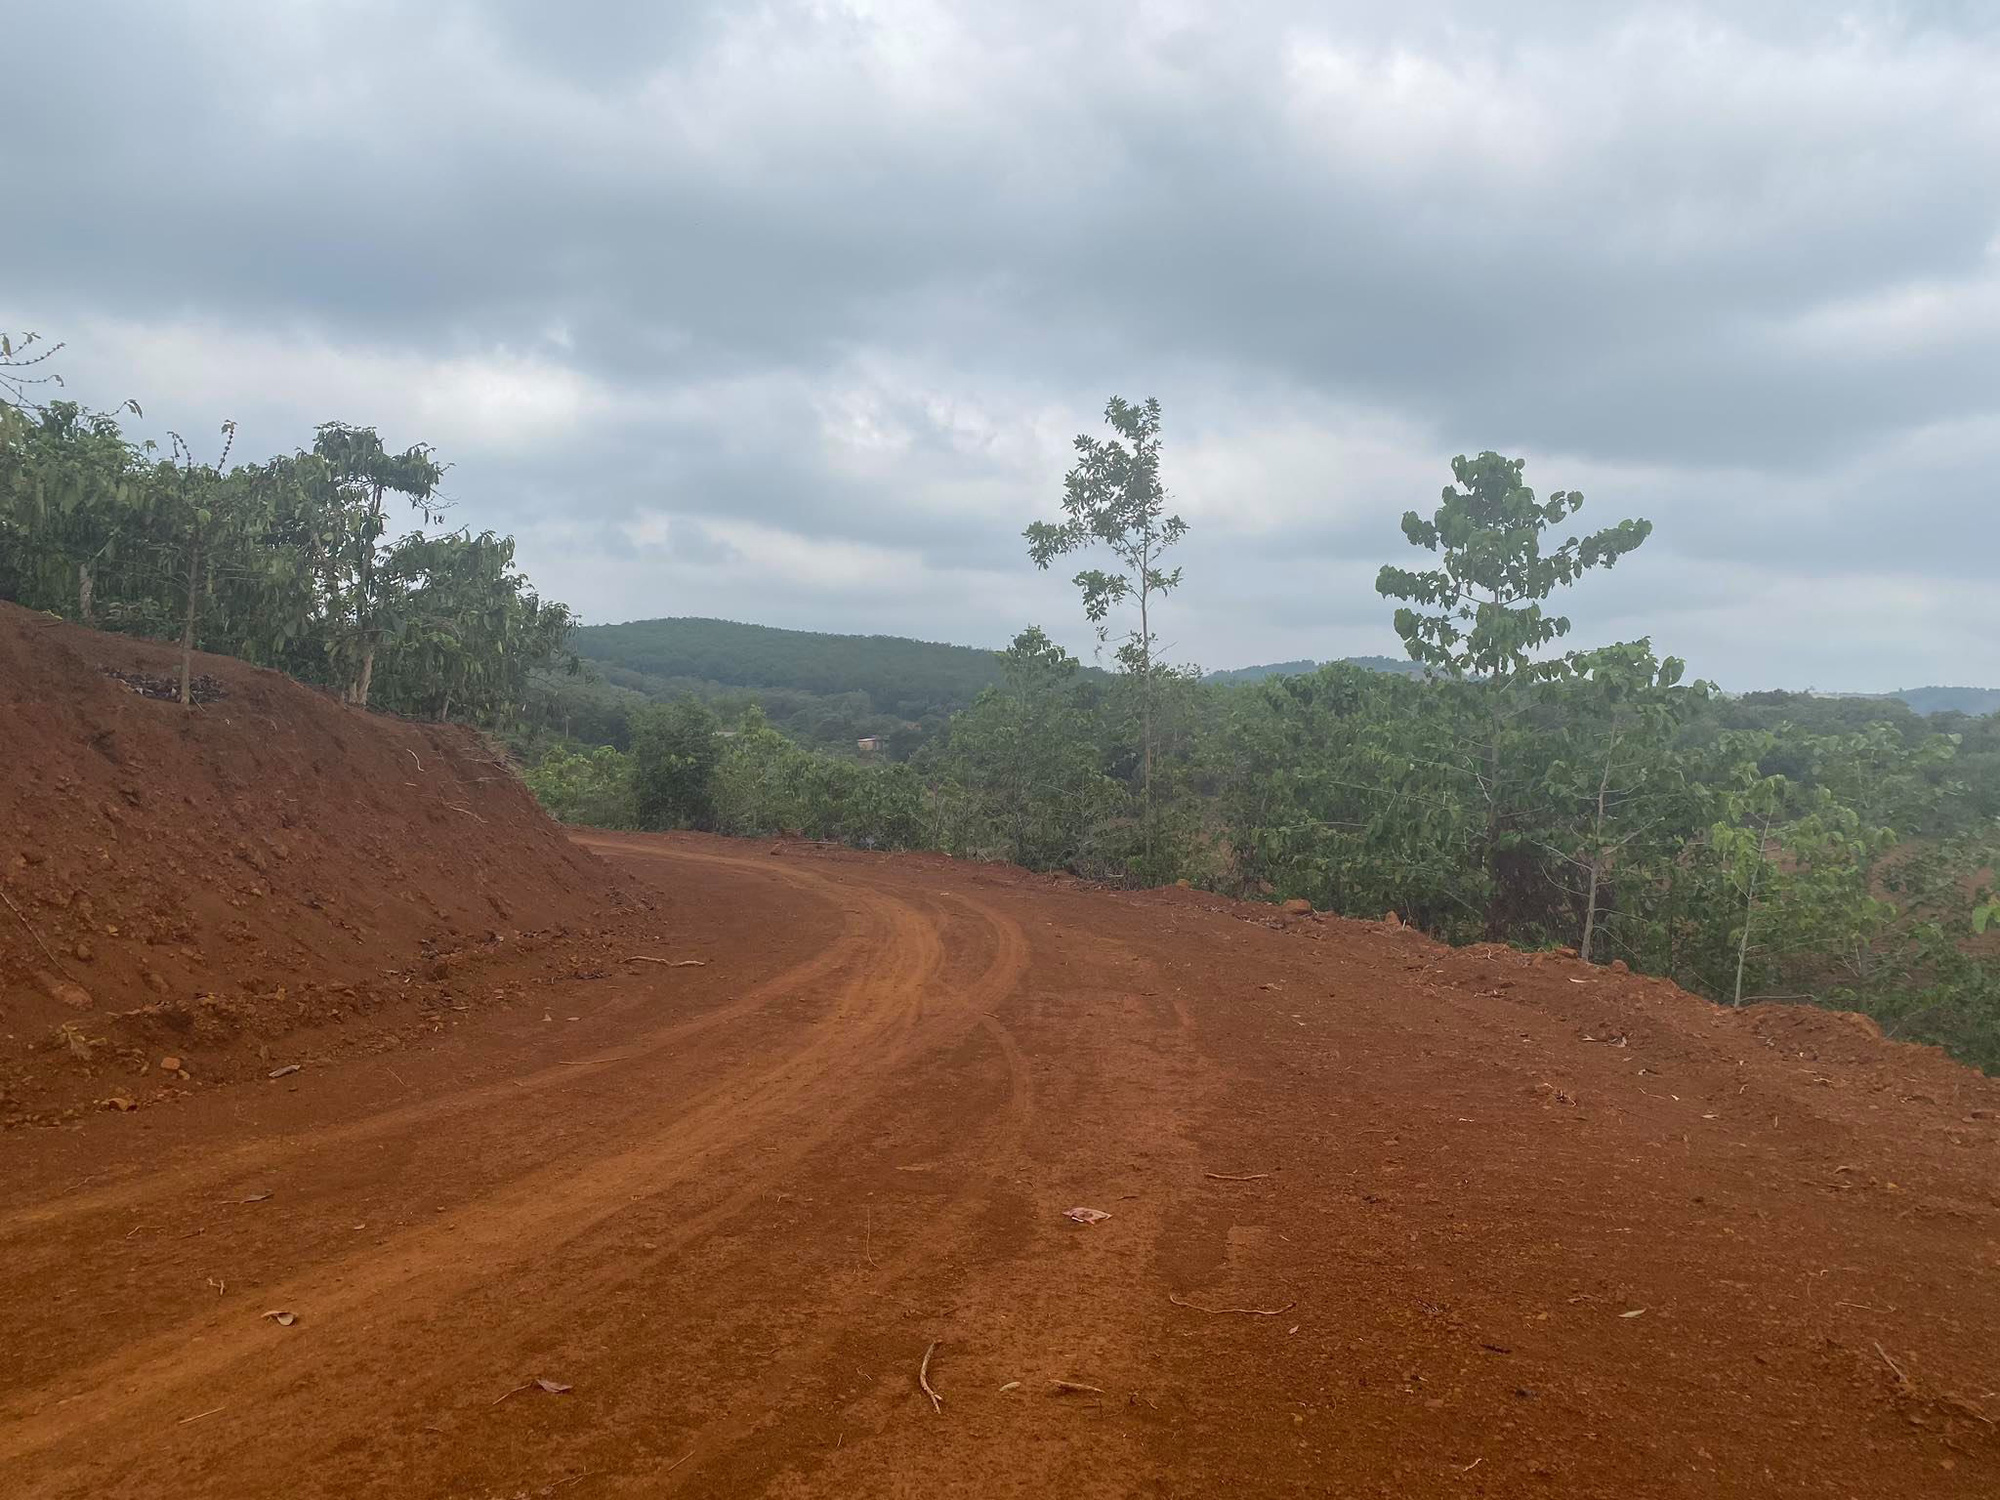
{"x":1484,"y":613}
{"x":472,"y":628}
{"x":1616,"y":793}
{"x":1114,"y":498}
{"x":759,"y":785}
{"x":1022,"y":764}
{"x":26,"y":378}
{"x":1480,"y":614}
{"x":201,"y":524}
{"x":676,"y":748}
{"x":341,"y":489}
{"x":592,"y":788}
{"x":73,"y":497}
{"x":1345,"y":787}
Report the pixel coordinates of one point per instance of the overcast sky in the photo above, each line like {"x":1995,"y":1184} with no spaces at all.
{"x":787,"y":312}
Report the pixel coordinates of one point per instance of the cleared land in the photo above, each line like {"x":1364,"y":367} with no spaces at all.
{"x":727,"y":1163}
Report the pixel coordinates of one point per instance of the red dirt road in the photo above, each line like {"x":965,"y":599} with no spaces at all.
{"x":1521,"y":1227}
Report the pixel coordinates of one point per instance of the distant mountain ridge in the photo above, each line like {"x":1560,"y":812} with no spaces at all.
{"x":898,"y":675}
{"x":1305,"y":666}
{"x":830,"y":689}
{"x":1970,"y":701}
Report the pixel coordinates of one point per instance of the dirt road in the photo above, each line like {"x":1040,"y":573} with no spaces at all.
{"x":1385,"y":1220}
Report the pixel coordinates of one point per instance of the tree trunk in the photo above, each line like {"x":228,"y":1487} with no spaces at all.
{"x":1743,"y":944}
{"x":187,"y":621}
{"x":85,"y":590}
{"x":1589,"y":912}
{"x":1146,"y":709}
{"x":1496,"y":915}
{"x":1146,"y":691}
{"x":1018,"y":797}
{"x":364,"y":602}
{"x":1749,"y":909}
{"x":1596,"y":858}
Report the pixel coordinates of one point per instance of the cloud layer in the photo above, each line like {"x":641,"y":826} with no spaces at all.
{"x":787,"y":311}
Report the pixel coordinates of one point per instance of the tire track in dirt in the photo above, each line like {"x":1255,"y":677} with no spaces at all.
{"x":741,"y":1270}
{"x":1016,"y":1295}
{"x":264,"y":1154}
{"x":736,"y":1447}
{"x":96,"y":1273}
{"x":869,"y":1031}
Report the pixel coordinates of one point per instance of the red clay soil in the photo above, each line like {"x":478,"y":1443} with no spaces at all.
{"x":265,"y":878}
{"x":655,"y":1166}
{"x":1386,"y":1219}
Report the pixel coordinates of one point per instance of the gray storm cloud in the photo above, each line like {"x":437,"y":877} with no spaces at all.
{"x":786,"y":312}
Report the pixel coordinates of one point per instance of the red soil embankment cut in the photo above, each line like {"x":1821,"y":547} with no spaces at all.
{"x":192,"y":884}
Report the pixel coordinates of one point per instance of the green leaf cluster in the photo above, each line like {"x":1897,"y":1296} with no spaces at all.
{"x":289,"y":563}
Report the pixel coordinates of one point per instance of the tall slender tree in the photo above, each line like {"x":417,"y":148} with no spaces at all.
{"x":198,"y":502}
{"x":1113,"y":498}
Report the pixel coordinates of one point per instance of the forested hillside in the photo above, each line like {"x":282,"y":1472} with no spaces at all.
{"x":1942,"y":700}
{"x":826,"y":690}
{"x":897,"y":675}
{"x":1401,"y":666}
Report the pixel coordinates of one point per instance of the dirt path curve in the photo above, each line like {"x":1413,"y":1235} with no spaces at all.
{"x":1369,"y":1234}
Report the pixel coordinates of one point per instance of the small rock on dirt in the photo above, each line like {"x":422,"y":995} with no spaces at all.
{"x":1298,"y":906}
{"x":170,"y":1065}
{"x":75,"y":996}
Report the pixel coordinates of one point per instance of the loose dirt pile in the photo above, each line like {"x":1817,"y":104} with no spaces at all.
{"x":194,"y":885}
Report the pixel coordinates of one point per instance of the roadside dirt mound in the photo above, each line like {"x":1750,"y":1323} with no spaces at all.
{"x":1609,"y":1004}
{"x":194,"y":884}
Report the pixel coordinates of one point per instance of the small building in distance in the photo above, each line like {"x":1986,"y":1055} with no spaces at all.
{"x":869,"y":744}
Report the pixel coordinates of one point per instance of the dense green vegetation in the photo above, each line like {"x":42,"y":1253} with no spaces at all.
{"x":289,"y":562}
{"x":1771,"y":847}
{"x":828,"y":691}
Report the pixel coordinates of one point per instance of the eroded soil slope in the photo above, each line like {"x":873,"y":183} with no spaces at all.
{"x":1385,"y":1220}
{"x":202,"y":885}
